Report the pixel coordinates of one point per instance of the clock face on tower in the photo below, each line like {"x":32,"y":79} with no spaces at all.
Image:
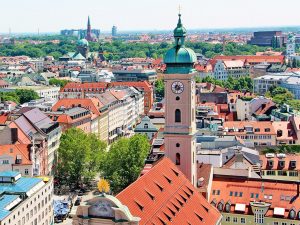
{"x":177,"y":87}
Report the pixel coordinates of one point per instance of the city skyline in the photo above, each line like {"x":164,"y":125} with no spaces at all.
{"x":69,"y":14}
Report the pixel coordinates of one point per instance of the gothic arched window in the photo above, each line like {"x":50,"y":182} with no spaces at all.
{"x":177,"y":158}
{"x":177,"y":116}
{"x":146,"y":126}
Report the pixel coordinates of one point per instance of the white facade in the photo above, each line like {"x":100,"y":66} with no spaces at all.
{"x":36,"y":209}
{"x":245,"y":109}
{"x":48,"y":92}
{"x":220,"y":72}
{"x":263,"y":83}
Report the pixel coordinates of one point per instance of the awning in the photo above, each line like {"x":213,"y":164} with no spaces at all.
{"x":240,"y":207}
{"x":279,"y":211}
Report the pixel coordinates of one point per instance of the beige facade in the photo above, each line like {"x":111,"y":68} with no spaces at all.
{"x":104,"y":209}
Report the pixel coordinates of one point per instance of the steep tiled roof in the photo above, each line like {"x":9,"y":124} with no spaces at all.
{"x":287,"y":166}
{"x":93,"y":104}
{"x":253,"y":58}
{"x":282,"y":195}
{"x":141,"y":84}
{"x":163,"y":195}
{"x":84,"y":86}
{"x":286,"y":129}
{"x":19,"y":150}
{"x":262,"y":127}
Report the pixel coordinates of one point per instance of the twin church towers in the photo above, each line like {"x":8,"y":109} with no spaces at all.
{"x":180,"y":126}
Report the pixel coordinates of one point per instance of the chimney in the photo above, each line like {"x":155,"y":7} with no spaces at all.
{"x":200,"y":182}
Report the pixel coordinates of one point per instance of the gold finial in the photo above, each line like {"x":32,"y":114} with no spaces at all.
{"x":103,"y":186}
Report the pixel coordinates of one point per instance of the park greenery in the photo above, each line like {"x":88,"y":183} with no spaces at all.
{"x":287,"y":149}
{"x":19,"y":96}
{"x":116,"y":49}
{"x":82,"y":156}
{"x":244,"y":83}
{"x":282,"y":95}
{"x":57,"y":82}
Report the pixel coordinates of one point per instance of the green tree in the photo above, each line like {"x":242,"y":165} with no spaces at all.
{"x":160,"y":88}
{"x":26,"y":95}
{"x":57,"y":82}
{"x":279,"y":95}
{"x":124,"y":161}
{"x":79,"y":157}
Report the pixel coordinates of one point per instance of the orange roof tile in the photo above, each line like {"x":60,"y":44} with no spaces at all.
{"x":165,"y":195}
{"x":288,"y":158}
{"x":22,"y":150}
{"x":264,"y":189}
{"x":262,"y":127}
{"x":92,"y":104}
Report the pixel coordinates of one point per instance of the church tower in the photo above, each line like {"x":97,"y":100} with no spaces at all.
{"x":180,"y":126}
{"x":89,"y":31}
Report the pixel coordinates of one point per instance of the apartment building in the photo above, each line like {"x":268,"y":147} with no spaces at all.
{"x":252,"y":201}
{"x":246,"y":107}
{"x":263,"y":83}
{"x":34,"y":127}
{"x":25,"y":200}
{"x":74,"y":117}
{"x":222,"y":69}
{"x":124,"y":108}
{"x":16,"y":157}
{"x":252,"y":133}
{"x":78,"y":90}
{"x":280,"y":166}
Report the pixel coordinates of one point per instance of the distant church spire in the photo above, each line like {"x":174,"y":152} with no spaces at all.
{"x":89,"y":30}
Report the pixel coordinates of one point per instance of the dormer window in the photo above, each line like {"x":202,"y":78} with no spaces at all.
{"x":270,"y":163}
{"x":293,"y":164}
{"x":257,"y":130}
{"x":281,"y":163}
{"x":267,"y":129}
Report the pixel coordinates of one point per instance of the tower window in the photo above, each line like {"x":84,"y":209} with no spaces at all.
{"x":177,"y":145}
{"x":146,"y":126}
{"x":177,"y":158}
{"x":177,"y":98}
{"x":177,"y":116}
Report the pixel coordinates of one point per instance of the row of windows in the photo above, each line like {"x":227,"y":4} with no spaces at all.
{"x":280,"y":173}
{"x":235,"y":220}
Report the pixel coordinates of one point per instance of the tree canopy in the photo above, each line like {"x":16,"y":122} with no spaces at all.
{"x":124,"y":161}
{"x":57,"y":82}
{"x":240,"y":84}
{"x":79,"y":157}
{"x":19,"y":96}
{"x":117,"y":49}
{"x":282,"y":95}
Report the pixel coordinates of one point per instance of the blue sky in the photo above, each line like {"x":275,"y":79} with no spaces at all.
{"x":54,"y":15}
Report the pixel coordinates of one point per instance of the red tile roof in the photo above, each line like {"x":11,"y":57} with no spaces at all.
{"x":141,"y":84}
{"x":261,"y":125}
{"x":92,"y":104}
{"x":253,"y":58}
{"x":288,"y":158}
{"x":165,"y":195}
{"x":21,"y":150}
{"x":3,"y":118}
{"x":272,"y":192}
{"x":83,"y":86}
